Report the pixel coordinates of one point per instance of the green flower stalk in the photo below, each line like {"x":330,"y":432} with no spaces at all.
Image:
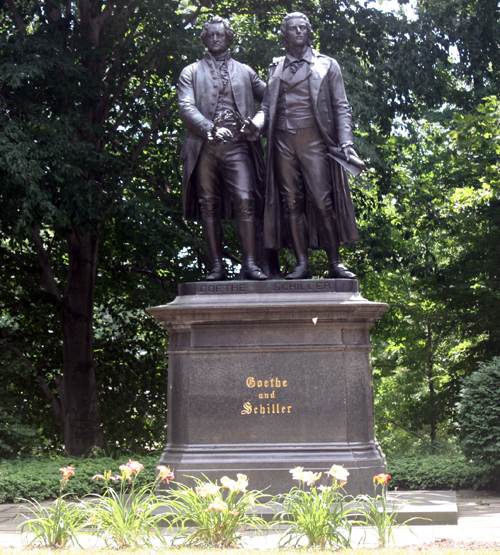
{"x":54,"y":526}
{"x":220,"y":512}
{"x":319,"y":514}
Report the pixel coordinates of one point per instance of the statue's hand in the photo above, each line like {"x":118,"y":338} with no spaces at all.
{"x":249,"y":129}
{"x":223,"y":134}
{"x":348,"y":152}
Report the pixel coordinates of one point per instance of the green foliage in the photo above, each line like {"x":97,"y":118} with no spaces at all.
{"x":38,"y":478}
{"x":54,"y":526}
{"x":14,"y":435}
{"x":129,"y":517}
{"x":319,"y":514}
{"x":436,"y":472}
{"x":379,"y":513}
{"x":89,"y":144}
{"x":220,"y":513}
{"x":479,"y":415}
{"x":57,"y":525}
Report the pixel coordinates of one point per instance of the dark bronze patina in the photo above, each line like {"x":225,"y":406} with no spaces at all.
{"x":221,"y":167}
{"x":309,"y":142}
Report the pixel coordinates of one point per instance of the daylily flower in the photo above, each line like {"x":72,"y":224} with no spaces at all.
{"x":228,"y":483}
{"x":164,"y":473}
{"x":297,"y":472}
{"x":105,"y":477}
{"x":126,"y":470}
{"x":338,"y":473}
{"x":324,"y":488}
{"x":207,"y":489}
{"x":242,"y":483}
{"x":67,"y":472}
{"x":310,"y":477}
{"x":381,"y":478}
{"x":218,"y":505}
{"x":135,"y":466}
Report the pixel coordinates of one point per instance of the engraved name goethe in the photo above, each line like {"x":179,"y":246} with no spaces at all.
{"x":266,"y":389}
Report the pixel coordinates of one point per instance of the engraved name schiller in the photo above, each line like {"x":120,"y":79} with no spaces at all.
{"x":266,"y":389}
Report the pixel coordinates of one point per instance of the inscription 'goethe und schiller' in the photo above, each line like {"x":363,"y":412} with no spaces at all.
{"x":266,"y":389}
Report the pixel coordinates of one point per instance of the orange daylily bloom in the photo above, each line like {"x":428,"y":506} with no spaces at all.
{"x":381,"y":478}
{"x":67,"y":472}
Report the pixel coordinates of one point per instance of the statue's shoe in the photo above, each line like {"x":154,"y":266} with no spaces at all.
{"x":338,"y":271}
{"x":255,"y":274}
{"x":217,"y":274}
{"x":300,"y":272}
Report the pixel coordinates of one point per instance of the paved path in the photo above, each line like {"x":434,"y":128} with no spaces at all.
{"x":478,"y":520}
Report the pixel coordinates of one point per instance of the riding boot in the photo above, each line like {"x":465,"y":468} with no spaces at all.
{"x":212,"y":232}
{"x":246,"y":234}
{"x":335,"y":269}
{"x":298,"y":233}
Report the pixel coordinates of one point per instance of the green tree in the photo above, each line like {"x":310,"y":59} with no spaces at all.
{"x":86,"y":89}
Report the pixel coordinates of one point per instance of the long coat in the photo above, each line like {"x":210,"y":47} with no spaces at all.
{"x":333,"y":116}
{"x":198,"y":92}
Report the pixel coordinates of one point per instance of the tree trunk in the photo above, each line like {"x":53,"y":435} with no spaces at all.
{"x":77,"y":388}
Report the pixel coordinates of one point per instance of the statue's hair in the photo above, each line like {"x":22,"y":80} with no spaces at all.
{"x":284,"y":27}
{"x":227,"y":27}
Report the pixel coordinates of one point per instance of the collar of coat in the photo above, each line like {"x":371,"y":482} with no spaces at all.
{"x":210,"y":58}
{"x":319,"y":64}
{"x":308,"y":57}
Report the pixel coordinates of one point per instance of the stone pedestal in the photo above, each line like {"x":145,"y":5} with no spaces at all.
{"x":267,"y":376}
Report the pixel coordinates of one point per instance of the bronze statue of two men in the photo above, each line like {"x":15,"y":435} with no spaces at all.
{"x":303,"y":195}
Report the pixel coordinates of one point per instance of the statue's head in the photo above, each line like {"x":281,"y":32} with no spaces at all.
{"x":295,"y":20}
{"x":217,"y":35}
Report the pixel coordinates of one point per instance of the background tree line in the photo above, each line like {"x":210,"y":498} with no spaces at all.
{"x":90,"y":205}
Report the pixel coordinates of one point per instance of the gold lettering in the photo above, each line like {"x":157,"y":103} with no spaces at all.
{"x":283,"y":409}
{"x":272,"y":382}
{"x":259,"y":383}
{"x":261,"y":395}
{"x":289,"y":409}
{"x":278,"y":383}
{"x":266,"y":383}
{"x":262,"y":410}
{"x":284,"y":383}
{"x":255,"y":410}
{"x":277,"y":408}
{"x":273,"y":408}
{"x":266,"y":395}
{"x":247,"y":408}
{"x":268,"y":409}
{"x":250,"y":382}
{"x":272,"y":395}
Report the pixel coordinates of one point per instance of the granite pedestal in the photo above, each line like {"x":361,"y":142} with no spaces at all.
{"x":267,"y":376}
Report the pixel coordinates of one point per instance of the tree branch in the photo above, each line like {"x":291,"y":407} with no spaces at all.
{"x":155,"y":278}
{"x":148,"y":134}
{"x":17,"y":18}
{"x":123,"y":115}
{"x":22,"y":264}
{"x":49,"y":280}
{"x":192,"y":17}
{"x":56,"y":407}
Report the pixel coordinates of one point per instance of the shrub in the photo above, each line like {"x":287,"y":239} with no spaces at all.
{"x":447,"y":472}
{"x":479,"y":415}
{"x":37,"y":478}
